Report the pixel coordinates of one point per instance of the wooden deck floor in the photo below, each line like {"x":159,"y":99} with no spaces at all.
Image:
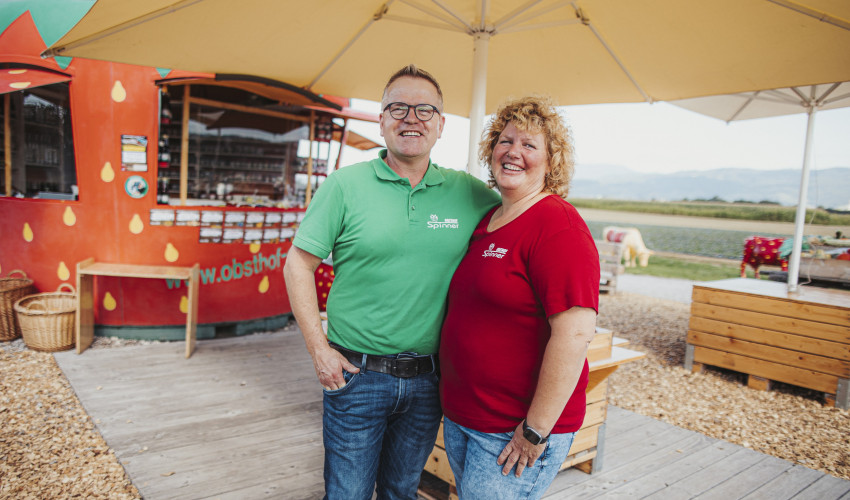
{"x":241,"y":419}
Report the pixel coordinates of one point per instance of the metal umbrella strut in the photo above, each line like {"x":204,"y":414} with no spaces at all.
{"x":778,"y":102}
{"x":484,"y":51}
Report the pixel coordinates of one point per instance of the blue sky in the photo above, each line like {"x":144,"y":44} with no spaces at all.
{"x":663,"y":138}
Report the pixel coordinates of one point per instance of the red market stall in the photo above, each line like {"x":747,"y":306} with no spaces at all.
{"x":139,"y":165}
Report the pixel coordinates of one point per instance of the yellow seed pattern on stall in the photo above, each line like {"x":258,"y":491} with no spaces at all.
{"x":106,"y":173}
{"x":28,"y":236}
{"x":20,"y":85}
{"x":264,"y":285}
{"x":63,"y":272}
{"x":136,"y":224}
{"x":118,"y":92}
{"x":109,"y":302}
{"x":171,"y":253}
{"x":68,"y":217}
{"x":184,"y":304}
{"x":254,"y":247}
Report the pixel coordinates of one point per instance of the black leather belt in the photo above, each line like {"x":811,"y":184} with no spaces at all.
{"x":402,"y":365}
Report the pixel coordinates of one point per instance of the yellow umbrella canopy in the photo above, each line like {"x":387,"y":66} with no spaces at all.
{"x":579,"y":52}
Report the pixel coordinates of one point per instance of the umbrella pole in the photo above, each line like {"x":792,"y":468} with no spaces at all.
{"x":342,"y":142}
{"x":308,"y":194}
{"x":184,"y":147}
{"x":7,"y":143}
{"x":479,"y":98}
{"x":800,"y":217}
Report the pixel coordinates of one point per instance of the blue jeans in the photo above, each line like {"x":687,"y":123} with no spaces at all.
{"x":472,"y":456}
{"x":379,"y":429}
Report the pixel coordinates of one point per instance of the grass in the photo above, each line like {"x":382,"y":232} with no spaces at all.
{"x":722,"y":210}
{"x":684,"y":268}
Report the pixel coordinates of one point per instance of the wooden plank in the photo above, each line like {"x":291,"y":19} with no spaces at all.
{"x":137,"y":271}
{"x":778,"y":355}
{"x":579,"y":458}
{"x":599,"y":392}
{"x":826,"y":487}
{"x":769,"y":305}
{"x":771,"y":338}
{"x":598,"y":376}
{"x":192,"y":313}
{"x":782,"y":373}
{"x":806,"y":328}
{"x":84,"y":316}
{"x":584,"y":439}
{"x":786,"y":485}
{"x":748,"y":480}
{"x":810,"y":294}
{"x":595,"y":414}
{"x":619,"y":355}
{"x":650,"y":474}
{"x":440,"y":442}
{"x":709,"y":476}
{"x":620,"y":342}
{"x":759,"y":383}
{"x":438,"y":464}
{"x":600,"y":346}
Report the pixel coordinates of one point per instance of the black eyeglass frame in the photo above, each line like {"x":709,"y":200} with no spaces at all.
{"x":415,"y":108}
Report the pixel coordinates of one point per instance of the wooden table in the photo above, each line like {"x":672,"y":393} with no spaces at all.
{"x":605,"y":354}
{"x":88,"y":269}
{"x":758,"y":328}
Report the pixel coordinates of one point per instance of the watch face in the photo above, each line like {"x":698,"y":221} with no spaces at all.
{"x":532,"y":436}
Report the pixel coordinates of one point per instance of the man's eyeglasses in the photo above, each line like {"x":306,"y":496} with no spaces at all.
{"x":400,"y":110}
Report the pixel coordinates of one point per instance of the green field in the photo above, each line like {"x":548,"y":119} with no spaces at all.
{"x":672,"y":267}
{"x":721,"y":210}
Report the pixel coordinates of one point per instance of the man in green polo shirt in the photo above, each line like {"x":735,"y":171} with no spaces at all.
{"x":397,"y":227}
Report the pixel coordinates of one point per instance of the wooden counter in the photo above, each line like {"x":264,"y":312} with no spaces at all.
{"x":757,"y":327}
{"x":604,"y":355}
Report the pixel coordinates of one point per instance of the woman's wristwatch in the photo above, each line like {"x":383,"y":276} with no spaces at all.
{"x":532,"y":435}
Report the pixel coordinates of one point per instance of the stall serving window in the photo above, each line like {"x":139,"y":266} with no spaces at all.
{"x":37,"y":140}
{"x":241,"y":148}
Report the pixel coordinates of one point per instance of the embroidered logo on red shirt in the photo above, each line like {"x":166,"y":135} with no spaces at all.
{"x":497,"y":252}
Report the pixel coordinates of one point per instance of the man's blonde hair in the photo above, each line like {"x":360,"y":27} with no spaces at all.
{"x":413,"y":71}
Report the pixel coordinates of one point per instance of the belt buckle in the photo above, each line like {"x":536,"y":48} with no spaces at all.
{"x":405,"y":367}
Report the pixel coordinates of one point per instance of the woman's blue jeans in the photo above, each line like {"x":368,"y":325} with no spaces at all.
{"x":379,"y":429}
{"x":472,"y":456}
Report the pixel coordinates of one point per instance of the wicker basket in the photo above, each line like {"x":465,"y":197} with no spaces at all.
{"x":11,"y":290}
{"x":47,"y":319}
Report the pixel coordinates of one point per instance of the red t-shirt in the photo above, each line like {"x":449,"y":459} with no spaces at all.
{"x":500,"y":298}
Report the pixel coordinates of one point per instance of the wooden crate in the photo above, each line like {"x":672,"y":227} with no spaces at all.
{"x":605,"y":353}
{"x":758,"y":328}
{"x":610,"y":264}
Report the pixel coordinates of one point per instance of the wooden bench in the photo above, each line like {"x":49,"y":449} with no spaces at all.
{"x":605,"y":354}
{"x":610,"y":264}
{"x":88,"y":269}
{"x":758,"y":328}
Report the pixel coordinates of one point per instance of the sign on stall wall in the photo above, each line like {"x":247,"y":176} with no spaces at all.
{"x":134,"y":153}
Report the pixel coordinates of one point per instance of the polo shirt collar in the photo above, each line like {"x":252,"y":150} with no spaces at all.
{"x":433,"y":176}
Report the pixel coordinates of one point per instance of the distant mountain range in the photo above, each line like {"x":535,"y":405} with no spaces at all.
{"x":829,"y":188}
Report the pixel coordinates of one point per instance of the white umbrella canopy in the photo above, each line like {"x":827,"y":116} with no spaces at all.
{"x":483,"y":51}
{"x":778,"y":102}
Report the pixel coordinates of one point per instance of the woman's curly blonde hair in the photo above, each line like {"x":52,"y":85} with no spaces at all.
{"x":535,"y":114}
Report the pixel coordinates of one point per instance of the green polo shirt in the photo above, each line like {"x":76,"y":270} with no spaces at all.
{"x":395,"y":249}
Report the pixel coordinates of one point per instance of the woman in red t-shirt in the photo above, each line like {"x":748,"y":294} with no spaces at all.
{"x":522,"y":309}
